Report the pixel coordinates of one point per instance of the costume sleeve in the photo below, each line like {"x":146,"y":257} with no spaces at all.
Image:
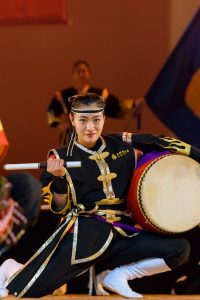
{"x":148,"y":142}
{"x":48,"y":191}
{"x":113,"y":108}
{"x":54,"y":112}
{"x":48,"y":197}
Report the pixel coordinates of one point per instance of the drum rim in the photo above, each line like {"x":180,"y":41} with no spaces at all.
{"x":139,"y":195}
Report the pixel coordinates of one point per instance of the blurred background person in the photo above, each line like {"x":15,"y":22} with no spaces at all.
{"x":20,"y":200}
{"x":59,"y":108}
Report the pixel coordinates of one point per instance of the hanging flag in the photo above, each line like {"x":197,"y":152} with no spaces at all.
{"x":23,"y":12}
{"x":3,"y":142}
{"x":175,"y":94}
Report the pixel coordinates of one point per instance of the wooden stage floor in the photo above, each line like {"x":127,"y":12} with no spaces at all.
{"x":114,"y":297}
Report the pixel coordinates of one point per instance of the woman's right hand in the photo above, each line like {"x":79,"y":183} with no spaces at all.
{"x":55,"y":166}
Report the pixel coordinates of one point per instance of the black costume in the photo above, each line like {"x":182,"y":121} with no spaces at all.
{"x":97,"y":189}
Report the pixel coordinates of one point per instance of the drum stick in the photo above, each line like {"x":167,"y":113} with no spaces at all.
{"x":40,"y":165}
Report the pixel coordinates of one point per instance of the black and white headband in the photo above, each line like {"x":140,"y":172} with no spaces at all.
{"x":85,"y":111}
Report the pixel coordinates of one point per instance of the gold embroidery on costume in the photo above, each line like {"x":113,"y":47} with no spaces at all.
{"x":45,"y":263}
{"x":99,"y":156}
{"x":72,"y":217}
{"x":81,"y":206}
{"x":119,"y":154}
{"x":91,"y":257}
{"x":68,"y":177}
{"x":48,"y":198}
{"x":47,"y":194}
{"x":110,"y":218}
{"x":110,"y":201}
{"x":72,"y":189}
{"x":107,"y":177}
{"x":123,"y":233}
{"x":50,"y":239}
{"x":176,"y":146}
{"x":90,"y":151}
{"x":110,"y":215}
{"x":101,"y":212}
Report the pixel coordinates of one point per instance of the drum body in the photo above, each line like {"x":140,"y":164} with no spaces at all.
{"x":164,"y":194}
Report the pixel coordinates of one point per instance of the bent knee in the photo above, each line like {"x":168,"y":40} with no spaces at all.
{"x":180,"y":254}
{"x":8,"y":262}
{"x":10,"y":266}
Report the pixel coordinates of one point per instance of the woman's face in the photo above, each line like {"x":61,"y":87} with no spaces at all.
{"x":88,"y":126}
{"x":81,"y":75}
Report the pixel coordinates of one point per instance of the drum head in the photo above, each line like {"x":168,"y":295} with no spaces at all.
{"x":169,"y":193}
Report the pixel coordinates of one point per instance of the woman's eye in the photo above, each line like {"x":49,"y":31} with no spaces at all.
{"x":82,"y":120}
{"x":97,"y":120}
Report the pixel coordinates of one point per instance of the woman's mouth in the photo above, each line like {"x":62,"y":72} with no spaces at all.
{"x":90,"y":134}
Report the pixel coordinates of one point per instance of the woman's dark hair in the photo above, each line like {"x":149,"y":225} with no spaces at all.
{"x":81,"y":62}
{"x":77,"y":102}
{"x":87,"y":99}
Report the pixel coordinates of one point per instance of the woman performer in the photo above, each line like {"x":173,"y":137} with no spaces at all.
{"x":95,"y":227}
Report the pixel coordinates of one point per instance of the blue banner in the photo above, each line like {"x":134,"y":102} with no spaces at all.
{"x":175,"y":94}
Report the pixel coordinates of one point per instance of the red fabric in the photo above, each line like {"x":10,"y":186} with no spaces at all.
{"x":71,"y":229}
{"x":133,"y":202}
{"x":3,"y":142}
{"x":19,"y":12}
{"x":138,"y":154}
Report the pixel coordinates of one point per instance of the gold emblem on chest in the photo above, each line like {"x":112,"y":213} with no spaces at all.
{"x":119,"y":154}
{"x":107,"y":177}
{"x":99,"y":156}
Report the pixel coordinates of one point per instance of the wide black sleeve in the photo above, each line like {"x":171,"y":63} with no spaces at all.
{"x":55,"y":184}
{"x":148,"y":142}
{"x":113,"y":108}
{"x":54,"y":112}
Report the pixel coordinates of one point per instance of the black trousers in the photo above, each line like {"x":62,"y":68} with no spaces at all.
{"x":121,"y":251}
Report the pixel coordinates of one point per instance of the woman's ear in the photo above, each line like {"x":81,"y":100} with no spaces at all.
{"x":71,"y":119}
